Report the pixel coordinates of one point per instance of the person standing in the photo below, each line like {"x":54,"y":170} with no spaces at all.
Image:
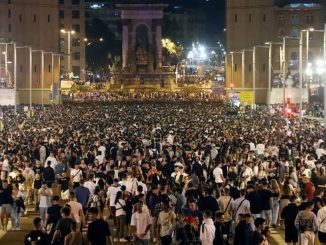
{"x":77,"y":213}
{"x":17,"y":208}
{"x":49,"y":175}
{"x":75,"y":237}
{"x":180,"y":201}
{"x":266,"y":203}
{"x":166,"y":220}
{"x":111,"y":194}
{"x":37,"y":185}
{"x":209,"y":202}
{"x":207,"y":229}
{"x":241,"y":205}
{"x":120,"y":206}
{"x":141,"y":225}
{"x":306,"y":223}
{"x":83,"y":195}
{"x":62,"y":228}
{"x":243,"y":231}
{"x":76,"y":174}
{"x":221,"y":230}
{"x":98,"y":232}
{"x":44,"y":200}
{"x":53,"y":215}
{"x":218,"y":175}
{"x":225,"y":203}
{"x":37,"y":236}
{"x":257,"y":235}
{"x":288,"y":215}
{"x":6,"y":202}
{"x":321,"y":219}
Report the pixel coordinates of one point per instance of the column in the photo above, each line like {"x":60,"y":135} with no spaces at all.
{"x":125,"y":43}
{"x":158,"y":47}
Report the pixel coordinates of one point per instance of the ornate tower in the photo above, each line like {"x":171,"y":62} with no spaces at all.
{"x":141,"y":36}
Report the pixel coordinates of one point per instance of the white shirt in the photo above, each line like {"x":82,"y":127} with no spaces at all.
{"x":320,"y":152}
{"x":141,"y":221}
{"x":321,"y":219}
{"x":218,"y":173}
{"x":102,"y":149}
{"x":207,"y":232}
{"x":53,"y":161}
{"x":260,"y":149}
{"x":5,"y":165}
{"x":119,"y":207}
{"x":112,"y":193}
{"x":76,"y":175}
{"x":90,"y":185}
{"x":245,"y":205}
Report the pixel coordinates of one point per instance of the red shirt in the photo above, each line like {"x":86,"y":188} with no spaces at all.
{"x":309,"y":190}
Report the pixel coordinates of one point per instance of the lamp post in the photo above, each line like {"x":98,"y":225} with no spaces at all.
{"x":300,"y":76}
{"x":324,"y":84}
{"x":69,"y":33}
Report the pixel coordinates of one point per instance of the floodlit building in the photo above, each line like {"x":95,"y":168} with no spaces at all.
{"x":252,"y":23}
{"x":33,"y":26}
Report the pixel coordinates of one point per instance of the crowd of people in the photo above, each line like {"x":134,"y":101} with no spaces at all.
{"x":162,"y":172}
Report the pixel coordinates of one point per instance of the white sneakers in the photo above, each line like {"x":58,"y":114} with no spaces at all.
{"x":123,"y":240}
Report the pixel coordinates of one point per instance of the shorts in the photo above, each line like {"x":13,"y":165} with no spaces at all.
{"x":6,"y":209}
{"x":322,"y":237}
{"x":291,"y":235}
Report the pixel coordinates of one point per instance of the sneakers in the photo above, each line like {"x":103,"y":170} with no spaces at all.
{"x":115,"y":239}
{"x":123,"y":240}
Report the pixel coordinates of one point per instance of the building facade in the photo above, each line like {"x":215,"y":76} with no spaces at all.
{"x":33,"y":26}
{"x":252,"y":23}
{"x":72,"y":36}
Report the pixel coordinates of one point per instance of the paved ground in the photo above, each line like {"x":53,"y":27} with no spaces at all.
{"x":17,"y":237}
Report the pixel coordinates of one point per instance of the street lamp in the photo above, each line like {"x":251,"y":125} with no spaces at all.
{"x":69,"y":33}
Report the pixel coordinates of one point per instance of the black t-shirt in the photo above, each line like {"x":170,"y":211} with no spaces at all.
{"x":63,"y":226}
{"x":256,"y":238}
{"x":37,"y":184}
{"x":64,"y":183}
{"x":36,"y":236}
{"x":5,"y":196}
{"x":255,"y":202}
{"x":97,"y":232}
{"x":265,"y":196}
{"x":54,"y":213}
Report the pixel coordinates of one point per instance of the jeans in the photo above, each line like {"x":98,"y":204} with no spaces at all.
{"x":275,"y":209}
{"x":306,"y":238}
{"x":43,"y":214}
{"x":15,"y":218}
{"x":121,"y":224}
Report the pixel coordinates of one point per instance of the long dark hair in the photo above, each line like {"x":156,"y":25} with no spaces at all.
{"x":118,"y":196}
